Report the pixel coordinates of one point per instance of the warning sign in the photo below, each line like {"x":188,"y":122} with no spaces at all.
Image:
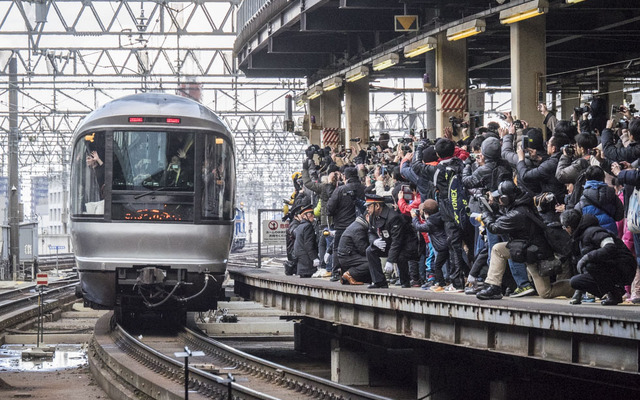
{"x":406,"y":23}
{"x":274,"y":232}
{"x":42,"y":278}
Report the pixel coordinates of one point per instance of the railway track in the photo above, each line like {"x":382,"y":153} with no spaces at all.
{"x":20,"y":305}
{"x":148,"y":366}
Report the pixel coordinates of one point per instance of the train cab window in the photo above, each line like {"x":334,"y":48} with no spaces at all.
{"x":218,"y":175}
{"x":88,"y":175}
{"x":153,"y":175}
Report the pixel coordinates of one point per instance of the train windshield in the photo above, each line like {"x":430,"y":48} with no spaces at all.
{"x":154,"y":175}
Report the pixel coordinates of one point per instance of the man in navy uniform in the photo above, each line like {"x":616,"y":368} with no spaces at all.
{"x":392,"y":236}
{"x":306,"y":245}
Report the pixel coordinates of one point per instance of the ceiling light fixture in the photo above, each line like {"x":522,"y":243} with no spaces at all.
{"x":467,"y":29}
{"x":357,"y":74}
{"x":314,"y":92}
{"x":386,"y":61}
{"x":419,"y":47}
{"x":524,"y":11}
{"x":331,"y":83}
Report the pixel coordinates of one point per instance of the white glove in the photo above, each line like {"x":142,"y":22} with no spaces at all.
{"x":471,"y":279}
{"x":388,"y":267}
{"x":316,"y":262}
{"x":326,"y":257}
{"x":379,"y":243}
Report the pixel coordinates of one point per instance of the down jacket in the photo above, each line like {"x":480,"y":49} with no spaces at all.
{"x":600,"y":200}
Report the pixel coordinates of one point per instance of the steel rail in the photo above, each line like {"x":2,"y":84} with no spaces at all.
{"x":203,"y":382}
{"x":277,"y":374}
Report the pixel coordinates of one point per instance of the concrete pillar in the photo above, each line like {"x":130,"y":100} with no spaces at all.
{"x":569,"y":99}
{"x":615,"y":93}
{"x":430,"y":381}
{"x":356,"y":109}
{"x":315,"y":127}
{"x":431,"y":115}
{"x":330,"y":109}
{"x":451,"y":71}
{"x":348,"y":367}
{"x":528,"y":67}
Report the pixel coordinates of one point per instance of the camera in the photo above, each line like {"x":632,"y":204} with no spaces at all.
{"x":406,"y":148}
{"x":518,"y":125}
{"x":623,"y":124}
{"x":406,"y":192}
{"x":458,"y":123}
{"x":582,"y":110}
{"x":356,"y":140}
{"x":568,"y":149}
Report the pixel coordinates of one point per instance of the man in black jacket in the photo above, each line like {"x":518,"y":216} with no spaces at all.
{"x":393,"y":238}
{"x":605,"y":263}
{"x":542,"y":175}
{"x":342,"y":207}
{"x":526,"y":243}
{"x":306,"y":244}
{"x":352,"y":253}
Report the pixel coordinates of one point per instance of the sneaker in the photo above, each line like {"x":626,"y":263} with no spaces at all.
{"x":452,"y":289}
{"x":437,"y":288}
{"x":508,"y":292}
{"x":588,"y":298}
{"x":523,"y":291}
{"x":474,"y":288}
{"x":415,"y":283}
{"x":490,"y":292}
{"x":635,"y":300}
{"x":427,"y":286}
{"x":325,"y":274}
{"x":318,"y":273}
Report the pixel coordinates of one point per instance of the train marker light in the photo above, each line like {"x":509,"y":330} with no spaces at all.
{"x":173,"y":120}
{"x":136,"y":119}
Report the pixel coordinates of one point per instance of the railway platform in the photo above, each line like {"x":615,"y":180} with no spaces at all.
{"x":530,"y":330}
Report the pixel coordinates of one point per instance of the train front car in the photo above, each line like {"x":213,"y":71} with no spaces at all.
{"x":152,"y":206}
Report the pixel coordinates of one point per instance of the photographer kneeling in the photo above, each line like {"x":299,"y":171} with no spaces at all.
{"x":526,"y":243}
{"x":605,"y":264}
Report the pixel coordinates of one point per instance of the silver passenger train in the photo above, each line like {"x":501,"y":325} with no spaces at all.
{"x":152,"y":205}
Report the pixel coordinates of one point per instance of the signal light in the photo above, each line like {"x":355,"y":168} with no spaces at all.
{"x":135,"y":119}
{"x":173,"y":120}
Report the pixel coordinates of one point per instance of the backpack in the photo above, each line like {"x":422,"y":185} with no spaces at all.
{"x":557,"y":238}
{"x":578,"y":189}
{"x":453,"y":199}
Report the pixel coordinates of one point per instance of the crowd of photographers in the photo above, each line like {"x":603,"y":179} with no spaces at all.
{"x":509,"y":210}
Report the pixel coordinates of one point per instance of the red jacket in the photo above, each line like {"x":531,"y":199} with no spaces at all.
{"x":406,"y":208}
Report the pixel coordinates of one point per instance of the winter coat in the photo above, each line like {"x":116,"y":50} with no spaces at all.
{"x":342,"y":203}
{"x":568,"y":170}
{"x":600,"y":199}
{"x":306,"y":244}
{"x":396,"y":230}
{"x":355,"y":240}
{"x":486,"y":177}
{"x":426,"y":171}
{"x":516,"y":224}
{"x":434,"y":226}
{"x":630,"y":153}
{"x":323,"y":190}
{"x":543,"y":176}
{"x":588,"y":243}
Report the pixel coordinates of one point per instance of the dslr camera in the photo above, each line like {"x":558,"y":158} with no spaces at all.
{"x":582,"y":110}
{"x":458,"y":123}
{"x":518,"y":125}
{"x":569,"y":149}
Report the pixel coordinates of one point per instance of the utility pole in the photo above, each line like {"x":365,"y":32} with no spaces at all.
{"x":14,"y":185}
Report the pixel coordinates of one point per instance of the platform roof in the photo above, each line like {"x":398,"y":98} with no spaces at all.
{"x":588,"y":42}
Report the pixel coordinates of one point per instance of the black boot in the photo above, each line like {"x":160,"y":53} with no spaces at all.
{"x":613,"y":298}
